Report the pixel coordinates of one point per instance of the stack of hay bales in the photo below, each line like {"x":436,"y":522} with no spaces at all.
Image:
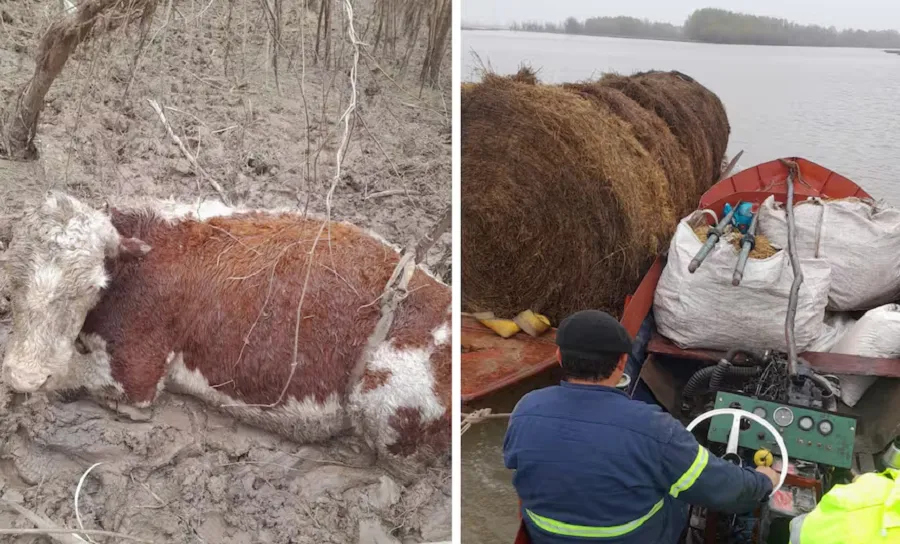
{"x":569,"y":191}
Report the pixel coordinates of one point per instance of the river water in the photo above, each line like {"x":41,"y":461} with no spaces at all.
{"x":837,"y":107}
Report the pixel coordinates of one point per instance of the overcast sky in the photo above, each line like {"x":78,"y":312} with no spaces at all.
{"x":862,"y":14}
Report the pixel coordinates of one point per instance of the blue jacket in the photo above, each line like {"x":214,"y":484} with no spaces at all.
{"x":590,"y":463}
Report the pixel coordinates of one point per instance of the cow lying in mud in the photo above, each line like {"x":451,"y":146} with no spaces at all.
{"x":203,"y":301}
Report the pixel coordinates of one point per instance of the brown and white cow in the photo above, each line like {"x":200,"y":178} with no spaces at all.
{"x":203,"y":299}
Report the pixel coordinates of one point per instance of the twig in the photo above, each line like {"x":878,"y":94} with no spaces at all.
{"x":426,"y":108}
{"x":305,"y":102}
{"x":390,"y":192}
{"x":262,"y":310}
{"x":74,"y":532}
{"x":184,"y":151}
{"x":163,"y":504}
{"x":44,"y":524}
{"x":78,"y":493}
{"x":342,"y":149}
{"x":440,"y":228}
{"x":386,"y":156}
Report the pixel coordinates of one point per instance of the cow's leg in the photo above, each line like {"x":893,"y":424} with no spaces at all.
{"x":132,"y":387}
{"x":395,"y":408}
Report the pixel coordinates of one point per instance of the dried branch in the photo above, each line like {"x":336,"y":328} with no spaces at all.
{"x":59,"y":42}
{"x":187,"y":154}
{"x":440,"y":228}
{"x":44,"y":524}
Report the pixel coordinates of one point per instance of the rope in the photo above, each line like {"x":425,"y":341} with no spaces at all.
{"x":478,"y":416}
{"x":395,"y":292}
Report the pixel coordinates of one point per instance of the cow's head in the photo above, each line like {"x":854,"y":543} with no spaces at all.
{"x":55,"y":269}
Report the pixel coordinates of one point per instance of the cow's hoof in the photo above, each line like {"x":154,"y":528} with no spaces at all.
{"x":128,"y":411}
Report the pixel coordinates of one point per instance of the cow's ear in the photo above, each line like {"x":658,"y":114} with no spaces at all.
{"x":132,"y":248}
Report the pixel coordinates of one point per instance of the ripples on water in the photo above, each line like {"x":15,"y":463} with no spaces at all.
{"x":837,"y":107}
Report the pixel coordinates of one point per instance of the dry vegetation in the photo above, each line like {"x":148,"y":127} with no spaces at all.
{"x":565,"y":208}
{"x":241,"y":100}
{"x":763,"y":248}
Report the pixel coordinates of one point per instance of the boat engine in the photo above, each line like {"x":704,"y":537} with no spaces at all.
{"x":757,"y":413}
{"x":760,"y":374}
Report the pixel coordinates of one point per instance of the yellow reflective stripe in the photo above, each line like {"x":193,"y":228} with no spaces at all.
{"x":690,"y":476}
{"x":584,"y":531}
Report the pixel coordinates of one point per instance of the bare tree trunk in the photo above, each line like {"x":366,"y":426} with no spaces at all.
{"x":323,"y":30}
{"x":58,"y":43}
{"x":439,"y":31}
{"x":273,"y":14}
{"x":413,"y":24}
{"x":228,"y":37}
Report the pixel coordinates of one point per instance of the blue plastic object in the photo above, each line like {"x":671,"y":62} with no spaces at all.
{"x":742,"y":217}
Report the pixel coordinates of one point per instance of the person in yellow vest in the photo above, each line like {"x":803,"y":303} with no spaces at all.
{"x":866,"y":511}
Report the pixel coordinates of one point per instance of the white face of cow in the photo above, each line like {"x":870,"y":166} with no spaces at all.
{"x":55,"y":268}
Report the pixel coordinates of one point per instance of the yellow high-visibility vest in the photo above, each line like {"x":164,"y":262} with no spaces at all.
{"x":866,"y":511}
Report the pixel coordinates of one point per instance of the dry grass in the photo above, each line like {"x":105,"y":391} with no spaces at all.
{"x":570,"y":191}
{"x":763,"y":248}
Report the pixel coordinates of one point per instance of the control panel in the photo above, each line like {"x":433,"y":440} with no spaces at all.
{"x":810,"y":435}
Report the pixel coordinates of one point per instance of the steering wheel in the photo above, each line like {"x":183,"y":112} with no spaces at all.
{"x":731,"y":449}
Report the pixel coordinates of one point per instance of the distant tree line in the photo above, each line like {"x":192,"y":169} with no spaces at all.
{"x":721,"y":26}
{"x":623,"y":27}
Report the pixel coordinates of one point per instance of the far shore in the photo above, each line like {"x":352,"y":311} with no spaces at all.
{"x":659,"y":39}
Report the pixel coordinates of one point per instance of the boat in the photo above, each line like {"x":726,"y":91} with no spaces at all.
{"x":491,"y":364}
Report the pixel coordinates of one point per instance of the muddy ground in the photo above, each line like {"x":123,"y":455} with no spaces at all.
{"x":191,"y":474}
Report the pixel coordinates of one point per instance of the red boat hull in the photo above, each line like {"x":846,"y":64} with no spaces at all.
{"x":512,"y":360}
{"x":485,"y":370}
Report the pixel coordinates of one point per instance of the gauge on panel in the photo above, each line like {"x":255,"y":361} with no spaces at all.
{"x":760,"y":411}
{"x":825,"y":427}
{"x":783,"y":416}
{"x":805,"y":423}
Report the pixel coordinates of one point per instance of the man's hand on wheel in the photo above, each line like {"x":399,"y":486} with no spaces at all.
{"x":768,"y":471}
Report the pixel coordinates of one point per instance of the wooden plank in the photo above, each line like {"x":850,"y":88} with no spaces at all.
{"x":495,"y":363}
{"x":824,"y":363}
{"x":835,"y":363}
{"x":663,"y":346}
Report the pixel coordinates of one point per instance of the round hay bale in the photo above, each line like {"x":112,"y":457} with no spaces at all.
{"x":562,"y":207}
{"x":694,"y":114}
{"x":653,"y":133}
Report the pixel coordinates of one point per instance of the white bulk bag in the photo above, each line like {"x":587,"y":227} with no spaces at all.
{"x":703,"y":310}
{"x":876,"y":334}
{"x":859,"y":239}
{"x":836,"y":326}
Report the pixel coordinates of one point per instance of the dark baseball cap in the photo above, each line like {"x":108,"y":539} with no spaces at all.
{"x":592,"y":333}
